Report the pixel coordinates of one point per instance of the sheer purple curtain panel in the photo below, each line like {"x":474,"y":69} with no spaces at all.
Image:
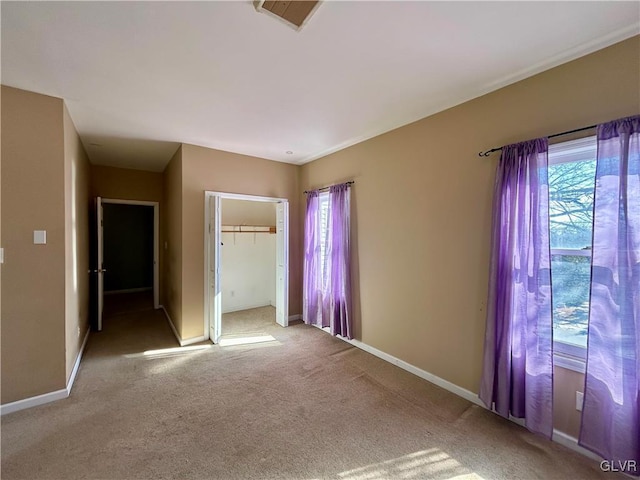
{"x":337,"y":301}
{"x":517,"y":374}
{"x":312,"y":266}
{"x":610,"y":416}
{"x":327,"y":279}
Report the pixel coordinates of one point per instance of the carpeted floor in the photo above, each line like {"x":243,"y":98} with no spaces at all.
{"x":302,"y":405}
{"x":119,"y":303}
{"x":247,"y":322}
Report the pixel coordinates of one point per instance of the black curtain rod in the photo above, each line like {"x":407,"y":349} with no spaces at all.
{"x":324,"y":189}
{"x":489,"y":152}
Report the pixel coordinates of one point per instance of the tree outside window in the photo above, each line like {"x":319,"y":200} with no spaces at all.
{"x":571,"y":176}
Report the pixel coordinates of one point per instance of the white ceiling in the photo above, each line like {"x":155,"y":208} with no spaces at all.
{"x":141,"y":77}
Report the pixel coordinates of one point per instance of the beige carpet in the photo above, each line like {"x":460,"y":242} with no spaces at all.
{"x":119,"y":303}
{"x":301,"y":406}
{"x":246,"y":322}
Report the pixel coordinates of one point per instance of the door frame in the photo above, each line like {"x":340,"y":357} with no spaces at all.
{"x":156,"y":240}
{"x":210,"y":233}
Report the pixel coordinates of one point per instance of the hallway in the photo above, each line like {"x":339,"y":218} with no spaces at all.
{"x":118,"y":303}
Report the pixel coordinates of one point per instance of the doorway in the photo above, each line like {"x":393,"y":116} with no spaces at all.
{"x":224,"y":224}
{"x":247,"y":267}
{"x":126,"y":259}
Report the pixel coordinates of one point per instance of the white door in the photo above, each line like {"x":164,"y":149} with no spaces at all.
{"x":282,"y":254}
{"x":100,"y":262}
{"x":215,"y":295}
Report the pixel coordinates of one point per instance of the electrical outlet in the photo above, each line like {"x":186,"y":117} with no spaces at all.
{"x":579,"y":401}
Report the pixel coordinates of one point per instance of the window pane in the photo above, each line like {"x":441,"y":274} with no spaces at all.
{"x":570,"y":276}
{"x":571,"y":186}
{"x":324,"y":227}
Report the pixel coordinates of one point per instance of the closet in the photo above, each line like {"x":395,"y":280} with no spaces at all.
{"x":247,"y":255}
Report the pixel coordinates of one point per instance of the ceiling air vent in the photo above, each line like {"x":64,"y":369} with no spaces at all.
{"x":295,"y":14}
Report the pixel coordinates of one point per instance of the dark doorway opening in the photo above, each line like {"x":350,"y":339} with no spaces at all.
{"x":128,"y":233}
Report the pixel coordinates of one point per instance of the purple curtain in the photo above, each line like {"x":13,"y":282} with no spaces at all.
{"x":327,"y":288}
{"x":311,"y":280}
{"x":337,"y":299}
{"x":517,"y":374}
{"x":610,"y":415}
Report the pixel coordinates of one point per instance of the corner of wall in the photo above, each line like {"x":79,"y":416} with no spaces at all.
{"x":172,"y":234}
{"x":76,"y":219}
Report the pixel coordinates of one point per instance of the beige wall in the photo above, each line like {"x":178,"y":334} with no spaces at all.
{"x":422,"y":207}
{"x":125,"y":184}
{"x":1,"y":244}
{"x":246,"y":212}
{"x":128,"y":184}
{"x":33,"y":198}
{"x":76,"y":171}
{"x":565,"y":416}
{"x":215,"y":170}
{"x":172,"y":246}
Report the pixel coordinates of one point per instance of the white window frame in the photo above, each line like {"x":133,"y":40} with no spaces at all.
{"x":567,"y":355}
{"x":323,"y":211}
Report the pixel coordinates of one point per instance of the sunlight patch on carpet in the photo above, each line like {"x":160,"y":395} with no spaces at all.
{"x":432,"y":463}
{"x":248,"y":340}
{"x":170,"y":352}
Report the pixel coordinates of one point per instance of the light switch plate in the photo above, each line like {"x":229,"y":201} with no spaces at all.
{"x":39,"y":237}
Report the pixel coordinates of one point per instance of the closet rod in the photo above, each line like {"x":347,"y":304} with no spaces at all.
{"x":248,"y":231}
{"x":489,"y":152}
{"x":272,"y":229}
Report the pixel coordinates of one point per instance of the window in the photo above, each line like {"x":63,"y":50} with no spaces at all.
{"x":326,"y":289}
{"x":572,"y":167}
{"x":324,"y":230}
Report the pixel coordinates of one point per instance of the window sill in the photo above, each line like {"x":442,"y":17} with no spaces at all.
{"x":569,"y":362}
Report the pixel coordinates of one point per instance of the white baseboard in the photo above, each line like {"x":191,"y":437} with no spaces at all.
{"x":192,"y":340}
{"x":51,"y":396}
{"x":572,"y":444}
{"x":247,"y":306}
{"x":558,"y":436}
{"x":33,"y":401}
{"x":297,"y":316}
{"x":430,"y":377}
{"x":173,"y":327}
{"x":183,"y":343}
{"x":76,"y":365}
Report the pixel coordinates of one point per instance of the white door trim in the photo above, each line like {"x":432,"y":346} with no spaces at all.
{"x":156,"y":241}
{"x":207,"y":236}
{"x":243,"y":196}
{"x":282,"y":269}
{"x":99,"y":271}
